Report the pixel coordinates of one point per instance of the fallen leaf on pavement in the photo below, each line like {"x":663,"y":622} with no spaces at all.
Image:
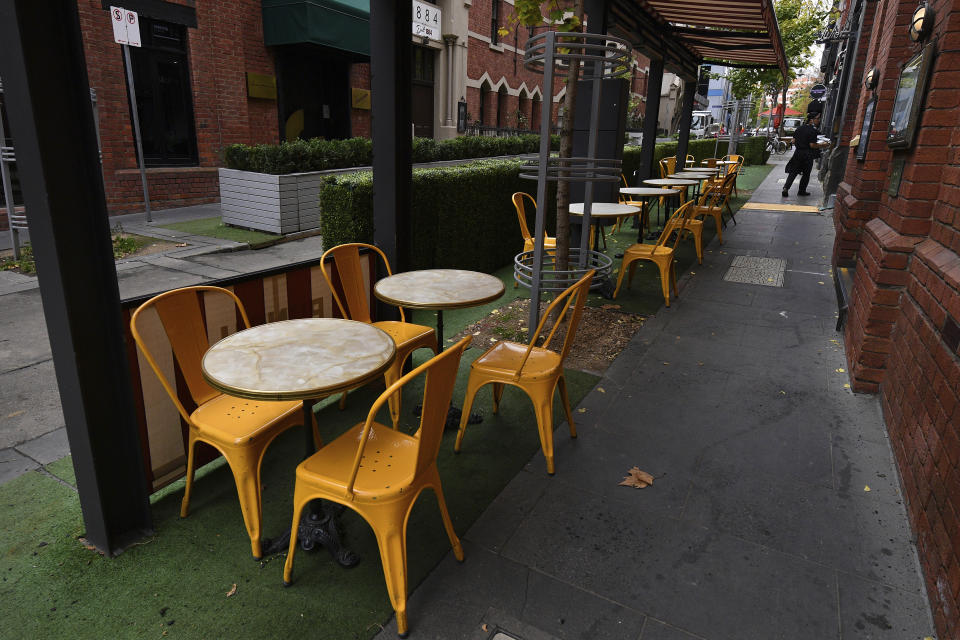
{"x":609,"y":306}
{"x":180,"y":244}
{"x":233,"y":590}
{"x":16,"y":413}
{"x":637,"y":479}
{"x":601,"y":390}
{"x":866,"y":487}
{"x":841,"y":370}
{"x":581,"y":410}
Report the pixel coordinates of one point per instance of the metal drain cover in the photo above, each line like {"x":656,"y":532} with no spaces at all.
{"x":767,"y":272}
{"x":500,"y":635}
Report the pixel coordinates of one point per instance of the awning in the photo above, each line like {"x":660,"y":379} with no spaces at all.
{"x":338,"y":24}
{"x":732,"y":33}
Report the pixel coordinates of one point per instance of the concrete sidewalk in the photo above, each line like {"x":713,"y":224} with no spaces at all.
{"x":32,"y":431}
{"x":776,"y":511}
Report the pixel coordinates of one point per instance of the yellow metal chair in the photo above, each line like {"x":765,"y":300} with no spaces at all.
{"x":355,"y":305}
{"x":536,"y":369}
{"x":715,"y":205}
{"x":380,"y":472}
{"x":694,"y":225}
{"x":518,"y":202}
{"x":739,"y":160}
{"x":660,"y":254}
{"x":239,"y":429}
{"x":691,"y":161}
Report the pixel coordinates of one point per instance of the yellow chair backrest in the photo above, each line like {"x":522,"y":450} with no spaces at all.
{"x":518,"y":203}
{"x":441,"y":372}
{"x":677,"y":222}
{"x":355,"y":303}
{"x":182,"y":315}
{"x":671,"y":165}
{"x":576,"y":295}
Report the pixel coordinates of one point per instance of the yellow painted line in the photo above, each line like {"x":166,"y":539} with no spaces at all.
{"x":779,"y":207}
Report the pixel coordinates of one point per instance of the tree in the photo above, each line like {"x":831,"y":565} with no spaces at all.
{"x":799,"y":21}
{"x":566,"y":18}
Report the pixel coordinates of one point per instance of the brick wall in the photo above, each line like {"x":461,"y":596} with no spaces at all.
{"x":227,"y":43}
{"x":903,"y":331}
{"x":360,"y":118}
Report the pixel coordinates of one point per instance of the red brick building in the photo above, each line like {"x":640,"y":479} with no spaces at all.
{"x":205,"y":78}
{"x":897,"y":216}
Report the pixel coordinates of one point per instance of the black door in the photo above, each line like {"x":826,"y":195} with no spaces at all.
{"x":422,"y":92}
{"x":314,"y":92}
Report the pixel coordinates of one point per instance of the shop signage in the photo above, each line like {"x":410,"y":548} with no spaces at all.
{"x":817,"y":91}
{"x":426,"y":20}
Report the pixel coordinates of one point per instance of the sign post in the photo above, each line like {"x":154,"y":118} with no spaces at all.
{"x":126,"y":32}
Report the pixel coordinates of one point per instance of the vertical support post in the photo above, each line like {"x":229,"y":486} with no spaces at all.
{"x":7,"y":185}
{"x":783,"y":114}
{"x":686,"y":117}
{"x":136,"y":131}
{"x":390,"y":60}
{"x":596,"y":69}
{"x":48,"y":100}
{"x":654,"y":82}
{"x":734,"y":129}
{"x":539,"y":229}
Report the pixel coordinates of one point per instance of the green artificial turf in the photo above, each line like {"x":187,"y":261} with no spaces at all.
{"x":174,"y":584}
{"x":214,"y":228}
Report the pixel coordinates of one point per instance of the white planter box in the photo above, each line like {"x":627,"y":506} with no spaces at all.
{"x":277,"y":204}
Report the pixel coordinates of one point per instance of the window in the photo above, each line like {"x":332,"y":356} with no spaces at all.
{"x":495,"y":22}
{"x":161,"y":75}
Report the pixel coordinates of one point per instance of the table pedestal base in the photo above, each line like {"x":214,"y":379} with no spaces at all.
{"x":318,"y":526}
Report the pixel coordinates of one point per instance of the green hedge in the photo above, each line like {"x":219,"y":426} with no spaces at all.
{"x":461,"y":216}
{"x":752,"y":149}
{"x":301,"y":156}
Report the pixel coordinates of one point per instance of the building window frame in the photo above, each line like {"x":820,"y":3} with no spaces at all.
{"x":164,"y":90}
{"x":495,"y":22}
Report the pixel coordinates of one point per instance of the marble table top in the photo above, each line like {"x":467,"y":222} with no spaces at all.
{"x":690,"y":175}
{"x":721,"y":162}
{"x":438,"y":289}
{"x":648,"y":191}
{"x":672,"y":182}
{"x":604,"y":209}
{"x":708,"y":170}
{"x":298,"y":359}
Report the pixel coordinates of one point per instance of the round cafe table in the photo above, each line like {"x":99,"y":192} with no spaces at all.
{"x":305,"y":359}
{"x":438,"y":289}
{"x":672,"y":182}
{"x":646,"y":193}
{"x":603,"y":210}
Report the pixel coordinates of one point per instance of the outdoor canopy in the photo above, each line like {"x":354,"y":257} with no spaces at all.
{"x":734,"y":33}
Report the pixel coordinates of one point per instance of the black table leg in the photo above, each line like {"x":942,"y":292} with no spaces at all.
{"x":318,"y":525}
{"x":439,"y":330}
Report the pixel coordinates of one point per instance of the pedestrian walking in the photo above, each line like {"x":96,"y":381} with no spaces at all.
{"x":807,"y":150}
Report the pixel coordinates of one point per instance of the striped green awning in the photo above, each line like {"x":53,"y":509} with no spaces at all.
{"x":338,"y":24}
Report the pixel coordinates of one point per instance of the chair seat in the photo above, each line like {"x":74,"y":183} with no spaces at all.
{"x":649,"y":250}
{"x":504,"y":358}
{"x":548,"y":243}
{"x":404,"y":332}
{"x":386,"y":469}
{"x":235,"y":420}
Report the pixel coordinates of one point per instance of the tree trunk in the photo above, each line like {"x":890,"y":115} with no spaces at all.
{"x":566,"y":151}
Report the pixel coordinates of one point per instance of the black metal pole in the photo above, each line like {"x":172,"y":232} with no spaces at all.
{"x":48,"y":101}
{"x":651,"y":112}
{"x":686,"y":117}
{"x":390,"y":53}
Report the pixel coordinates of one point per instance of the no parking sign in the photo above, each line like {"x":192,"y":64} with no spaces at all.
{"x":126,"y":26}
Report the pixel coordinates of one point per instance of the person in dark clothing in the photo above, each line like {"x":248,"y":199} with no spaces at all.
{"x":807,"y":150}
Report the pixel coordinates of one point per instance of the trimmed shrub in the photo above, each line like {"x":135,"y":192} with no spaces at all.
{"x":461,"y":216}
{"x":750,"y":148}
{"x":317,"y":154}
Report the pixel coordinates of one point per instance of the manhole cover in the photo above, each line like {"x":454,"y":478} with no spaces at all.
{"x":767,"y":272}
{"x":500,"y":635}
